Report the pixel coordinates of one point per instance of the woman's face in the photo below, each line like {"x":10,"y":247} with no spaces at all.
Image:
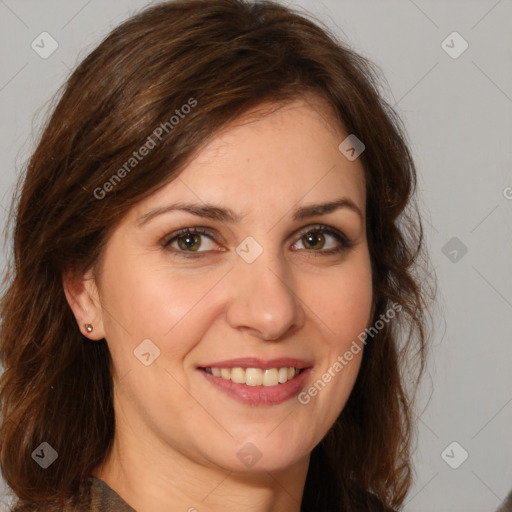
{"x":263,"y":286}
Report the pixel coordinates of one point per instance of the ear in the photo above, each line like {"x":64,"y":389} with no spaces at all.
{"x":83,"y":299}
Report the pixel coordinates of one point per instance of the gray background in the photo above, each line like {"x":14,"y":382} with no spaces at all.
{"x":458,"y":115}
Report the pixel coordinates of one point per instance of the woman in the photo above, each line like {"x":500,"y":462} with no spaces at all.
{"x":215,"y":295}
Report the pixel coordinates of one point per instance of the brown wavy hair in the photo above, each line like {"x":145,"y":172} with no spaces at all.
{"x":228,"y":56}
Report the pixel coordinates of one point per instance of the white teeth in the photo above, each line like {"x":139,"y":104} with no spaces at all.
{"x":255,"y":376}
{"x":238,"y":375}
{"x":270,"y":377}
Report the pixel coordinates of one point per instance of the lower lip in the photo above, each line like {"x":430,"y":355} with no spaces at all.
{"x":260,"y":395}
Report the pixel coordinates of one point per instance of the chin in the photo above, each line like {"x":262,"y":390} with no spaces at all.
{"x":260,"y":455}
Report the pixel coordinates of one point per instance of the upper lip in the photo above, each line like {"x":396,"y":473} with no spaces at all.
{"x":255,"y":362}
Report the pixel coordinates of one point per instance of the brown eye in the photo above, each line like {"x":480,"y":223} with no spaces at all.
{"x":315,"y":240}
{"x":190,"y":241}
{"x":187,"y":242}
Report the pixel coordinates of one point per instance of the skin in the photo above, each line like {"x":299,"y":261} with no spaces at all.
{"x":177,"y":436}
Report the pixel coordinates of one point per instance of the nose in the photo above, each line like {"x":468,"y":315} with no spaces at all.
{"x":264,"y":302}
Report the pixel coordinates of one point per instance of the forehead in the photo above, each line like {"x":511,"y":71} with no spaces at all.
{"x":275,"y":154}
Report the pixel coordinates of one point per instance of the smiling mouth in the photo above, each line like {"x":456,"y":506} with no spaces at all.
{"x":255,"y":376}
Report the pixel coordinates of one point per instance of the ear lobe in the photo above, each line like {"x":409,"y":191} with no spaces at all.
{"x":82,"y":296}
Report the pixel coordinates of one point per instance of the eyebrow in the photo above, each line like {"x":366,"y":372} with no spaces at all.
{"x":226,"y":215}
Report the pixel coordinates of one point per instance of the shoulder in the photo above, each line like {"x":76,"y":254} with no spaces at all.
{"x":105,"y":499}
{"x":48,"y":506}
{"x":93,"y":495}
{"x":370,"y":502}
{"x":360,"y":501}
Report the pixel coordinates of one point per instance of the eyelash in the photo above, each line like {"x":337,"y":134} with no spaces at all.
{"x":344,"y":241}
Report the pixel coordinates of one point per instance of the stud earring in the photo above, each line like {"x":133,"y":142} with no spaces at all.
{"x":88,"y":327}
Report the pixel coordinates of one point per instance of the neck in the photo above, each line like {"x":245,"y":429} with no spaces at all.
{"x":153,"y":478}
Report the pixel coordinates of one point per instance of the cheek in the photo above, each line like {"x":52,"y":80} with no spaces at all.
{"x":143,"y":300}
{"x":143,"y":297}
{"x":344,"y":304}
{"x":345,"y":309}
